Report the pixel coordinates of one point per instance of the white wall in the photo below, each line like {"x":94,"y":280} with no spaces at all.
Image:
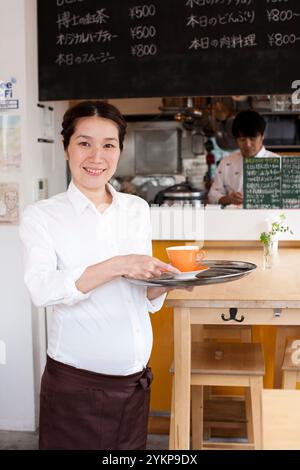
{"x":239,"y":224}
{"x":21,"y":326}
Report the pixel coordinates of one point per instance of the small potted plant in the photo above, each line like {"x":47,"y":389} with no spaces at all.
{"x":269,"y":240}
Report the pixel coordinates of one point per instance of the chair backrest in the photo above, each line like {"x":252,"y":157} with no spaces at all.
{"x":291,"y":360}
{"x":281,"y":419}
{"x":243,"y":333}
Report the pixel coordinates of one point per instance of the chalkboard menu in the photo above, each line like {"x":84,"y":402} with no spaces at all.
{"x":127,"y":48}
{"x":262,"y":183}
{"x":272,"y":183}
{"x":290,"y":182}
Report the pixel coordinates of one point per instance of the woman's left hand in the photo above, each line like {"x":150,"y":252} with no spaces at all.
{"x":153,"y":292}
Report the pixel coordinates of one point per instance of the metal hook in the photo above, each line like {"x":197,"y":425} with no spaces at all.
{"x":232,"y":316}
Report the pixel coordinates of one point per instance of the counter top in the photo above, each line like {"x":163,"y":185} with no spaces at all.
{"x":278,"y":287}
{"x":266,"y":293}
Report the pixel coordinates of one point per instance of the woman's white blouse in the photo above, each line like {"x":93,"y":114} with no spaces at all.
{"x":107,"y":330}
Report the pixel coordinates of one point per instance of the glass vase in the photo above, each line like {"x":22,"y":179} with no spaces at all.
{"x":270,"y":252}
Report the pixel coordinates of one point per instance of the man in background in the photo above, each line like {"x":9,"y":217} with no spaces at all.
{"x":248,"y":128}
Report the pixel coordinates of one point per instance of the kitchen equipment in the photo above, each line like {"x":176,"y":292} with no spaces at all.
{"x":149,"y":186}
{"x":281,"y":130}
{"x":224,"y":136}
{"x":157,"y":151}
{"x":198,"y":140}
{"x":180,"y":194}
{"x":195,"y":116}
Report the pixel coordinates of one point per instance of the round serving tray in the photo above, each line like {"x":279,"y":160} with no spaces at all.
{"x":219,"y":271}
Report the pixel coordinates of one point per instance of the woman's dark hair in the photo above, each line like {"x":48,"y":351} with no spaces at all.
{"x":248,"y":124}
{"x":87,"y":109}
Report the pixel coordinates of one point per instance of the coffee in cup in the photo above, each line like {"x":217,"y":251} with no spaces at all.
{"x":185,"y":257}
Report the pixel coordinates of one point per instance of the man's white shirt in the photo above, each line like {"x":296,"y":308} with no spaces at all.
{"x":107,"y":330}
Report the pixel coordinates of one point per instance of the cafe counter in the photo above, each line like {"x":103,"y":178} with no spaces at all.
{"x":282,"y":278}
{"x":212,"y":224}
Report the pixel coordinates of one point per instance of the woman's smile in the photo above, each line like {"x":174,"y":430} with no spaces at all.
{"x":94,"y":171}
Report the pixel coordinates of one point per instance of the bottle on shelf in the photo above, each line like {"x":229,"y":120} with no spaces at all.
{"x":211,"y":164}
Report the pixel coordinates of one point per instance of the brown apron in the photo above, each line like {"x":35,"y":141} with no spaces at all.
{"x":80,"y":409}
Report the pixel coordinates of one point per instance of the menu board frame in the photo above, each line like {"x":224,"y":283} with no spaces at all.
{"x":127,"y":49}
{"x":262,"y":183}
{"x":271,"y":184}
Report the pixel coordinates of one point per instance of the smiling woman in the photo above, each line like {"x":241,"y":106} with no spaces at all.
{"x":93,"y":154}
{"x":79,"y":248}
{"x":93,"y":135}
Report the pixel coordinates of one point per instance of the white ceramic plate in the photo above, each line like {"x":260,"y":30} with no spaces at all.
{"x":189,"y":275}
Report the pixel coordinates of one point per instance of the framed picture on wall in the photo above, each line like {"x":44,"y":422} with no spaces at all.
{"x":10,"y":141}
{"x":9,"y":203}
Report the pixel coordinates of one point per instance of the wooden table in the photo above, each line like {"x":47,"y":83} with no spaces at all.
{"x":270,"y":297}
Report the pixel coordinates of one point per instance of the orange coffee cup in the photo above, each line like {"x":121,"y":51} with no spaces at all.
{"x":185,"y":257}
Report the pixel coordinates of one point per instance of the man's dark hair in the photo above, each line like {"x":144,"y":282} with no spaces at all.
{"x":87,"y":109}
{"x":248,"y":124}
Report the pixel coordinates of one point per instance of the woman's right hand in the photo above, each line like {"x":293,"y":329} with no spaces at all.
{"x":144,"y":267}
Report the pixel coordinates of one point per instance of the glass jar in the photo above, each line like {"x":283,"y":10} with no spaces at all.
{"x":270,"y":253}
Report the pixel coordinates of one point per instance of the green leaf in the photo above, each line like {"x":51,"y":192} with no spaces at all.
{"x":277,"y":226}
{"x":265,"y":238}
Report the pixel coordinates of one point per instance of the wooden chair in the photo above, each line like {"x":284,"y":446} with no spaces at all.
{"x":280,"y":419}
{"x":284,"y":333}
{"x":243,"y":333}
{"x":291,"y":365}
{"x":224,"y":364}
{"x":223,"y":414}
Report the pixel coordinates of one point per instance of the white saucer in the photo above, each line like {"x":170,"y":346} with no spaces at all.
{"x":189,"y":275}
